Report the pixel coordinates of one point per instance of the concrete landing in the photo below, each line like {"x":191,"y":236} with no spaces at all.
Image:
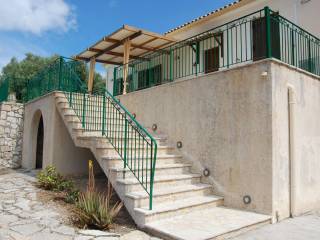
{"x":214,"y":223}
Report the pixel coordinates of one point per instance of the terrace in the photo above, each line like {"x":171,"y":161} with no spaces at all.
{"x":259,"y":35}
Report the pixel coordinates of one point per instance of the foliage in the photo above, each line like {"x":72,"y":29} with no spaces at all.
{"x":20,"y":72}
{"x":72,"y":195}
{"x":95,"y":209}
{"x":50,"y":179}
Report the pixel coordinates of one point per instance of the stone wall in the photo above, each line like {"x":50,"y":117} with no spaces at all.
{"x":11,"y":134}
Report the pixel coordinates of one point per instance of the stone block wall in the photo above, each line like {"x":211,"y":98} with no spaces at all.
{"x":11,"y":134}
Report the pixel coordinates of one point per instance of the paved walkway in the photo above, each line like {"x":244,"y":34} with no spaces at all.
{"x":305,"y":227}
{"x":23,"y":216}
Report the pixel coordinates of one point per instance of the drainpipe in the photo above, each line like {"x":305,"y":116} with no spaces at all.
{"x":292,"y":157}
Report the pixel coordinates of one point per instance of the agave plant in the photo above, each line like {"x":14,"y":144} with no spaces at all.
{"x":95,"y":209}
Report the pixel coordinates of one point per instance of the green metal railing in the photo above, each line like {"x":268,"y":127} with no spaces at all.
{"x":59,"y":75}
{"x":104,"y":114}
{"x":4,"y":90}
{"x":259,"y":35}
{"x":298,"y":47}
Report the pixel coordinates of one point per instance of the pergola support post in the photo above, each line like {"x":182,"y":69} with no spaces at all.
{"x":91,"y":74}
{"x":126,"y":56}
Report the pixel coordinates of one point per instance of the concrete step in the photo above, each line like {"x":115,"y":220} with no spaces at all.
{"x":133,"y":185}
{"x":105,"y":149}
{"x":211,"y":223}
{"x":177,"y":207}
{"x":101,"y":139}
{"x":161,"y":169}
{"x":117,"y":162}
{"x":168,"y":194}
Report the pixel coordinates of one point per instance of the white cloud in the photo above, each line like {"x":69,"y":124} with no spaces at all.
{"x":36,"y":16}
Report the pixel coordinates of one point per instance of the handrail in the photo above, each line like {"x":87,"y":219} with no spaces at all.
{"x":105,"y":114}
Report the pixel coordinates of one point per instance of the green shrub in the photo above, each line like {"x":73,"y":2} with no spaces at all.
{"x":50,"y":179}
{"x":72,"y":196}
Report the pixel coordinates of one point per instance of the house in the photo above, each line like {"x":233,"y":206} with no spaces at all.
{"x":214,"y":127}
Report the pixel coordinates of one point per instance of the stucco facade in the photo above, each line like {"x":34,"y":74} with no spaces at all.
{"x":58,"y":147}
{"x":235,"y":123}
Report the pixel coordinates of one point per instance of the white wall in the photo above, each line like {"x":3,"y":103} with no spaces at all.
{"x":237,"y":40}
{"x":304,"y":15}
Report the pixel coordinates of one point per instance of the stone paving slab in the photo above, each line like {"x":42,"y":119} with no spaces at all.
{"x":305,"y":227}
{"x":24,"y":217}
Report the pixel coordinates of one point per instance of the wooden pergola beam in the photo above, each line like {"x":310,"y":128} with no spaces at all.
{"x":117,"y":44}
{"x":97,"y":60}
{"x":115,"y":54}
{"x":132,"y":45}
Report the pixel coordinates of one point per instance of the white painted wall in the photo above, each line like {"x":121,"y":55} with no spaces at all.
{"x":304,"y":15}
{"x":237,"y":39}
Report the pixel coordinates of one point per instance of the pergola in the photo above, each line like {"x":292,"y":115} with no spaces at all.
{"x":120,"y":47}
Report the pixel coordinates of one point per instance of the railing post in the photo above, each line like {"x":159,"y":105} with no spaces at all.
{"x":268,"y":32}
{"x":125,"y":141}
{"x":104,"y":115}
{"x":293,"y":61}
{"x":60,"y":72}
{"x":309,"y":55}
{"x":114,"y":81}
{"x":84,"y":111}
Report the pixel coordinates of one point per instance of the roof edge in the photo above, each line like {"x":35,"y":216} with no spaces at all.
{"x":208,"y":16}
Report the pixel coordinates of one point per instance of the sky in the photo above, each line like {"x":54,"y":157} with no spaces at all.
{"x":67,"y":27}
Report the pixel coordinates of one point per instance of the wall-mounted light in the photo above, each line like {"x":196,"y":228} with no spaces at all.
{"x":246,"y":199}
{"x":154,"y":127}
{"x":206,"y":172}
{"x":179,"y":144}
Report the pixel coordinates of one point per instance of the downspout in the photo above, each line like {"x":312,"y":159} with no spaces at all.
{"x":292,"y":157}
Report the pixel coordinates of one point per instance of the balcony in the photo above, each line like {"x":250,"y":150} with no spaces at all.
{"x":259,"y":35}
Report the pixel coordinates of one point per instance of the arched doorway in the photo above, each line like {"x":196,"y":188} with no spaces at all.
{"x":39,"y":147}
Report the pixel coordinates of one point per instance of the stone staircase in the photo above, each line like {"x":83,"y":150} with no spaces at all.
{"x":181,"y":202}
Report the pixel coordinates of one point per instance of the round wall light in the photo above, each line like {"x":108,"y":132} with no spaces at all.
{"x":206,"y":172}
{"x":179,"y":144}
{"x":246,"y":199}
{"x":154,"y":127}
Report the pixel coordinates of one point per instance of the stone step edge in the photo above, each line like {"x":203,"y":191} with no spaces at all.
{"x":138,"y":195}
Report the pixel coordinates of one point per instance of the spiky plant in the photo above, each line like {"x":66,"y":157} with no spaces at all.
{"x":95,"y":209}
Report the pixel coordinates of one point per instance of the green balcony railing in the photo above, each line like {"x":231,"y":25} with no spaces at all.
{"x":103,"y":114}
{"x":4,"y":90}
{"x":59,"y":75}
{"x":259,"y":35}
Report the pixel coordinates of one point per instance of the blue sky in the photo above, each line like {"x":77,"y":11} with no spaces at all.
{"x":66,"y":27}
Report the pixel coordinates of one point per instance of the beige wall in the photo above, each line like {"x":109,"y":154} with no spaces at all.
{"x":306,"y":144}
{"x":59,"y":149}
{"x":224,"y":122}
{"x":235,"y":123}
